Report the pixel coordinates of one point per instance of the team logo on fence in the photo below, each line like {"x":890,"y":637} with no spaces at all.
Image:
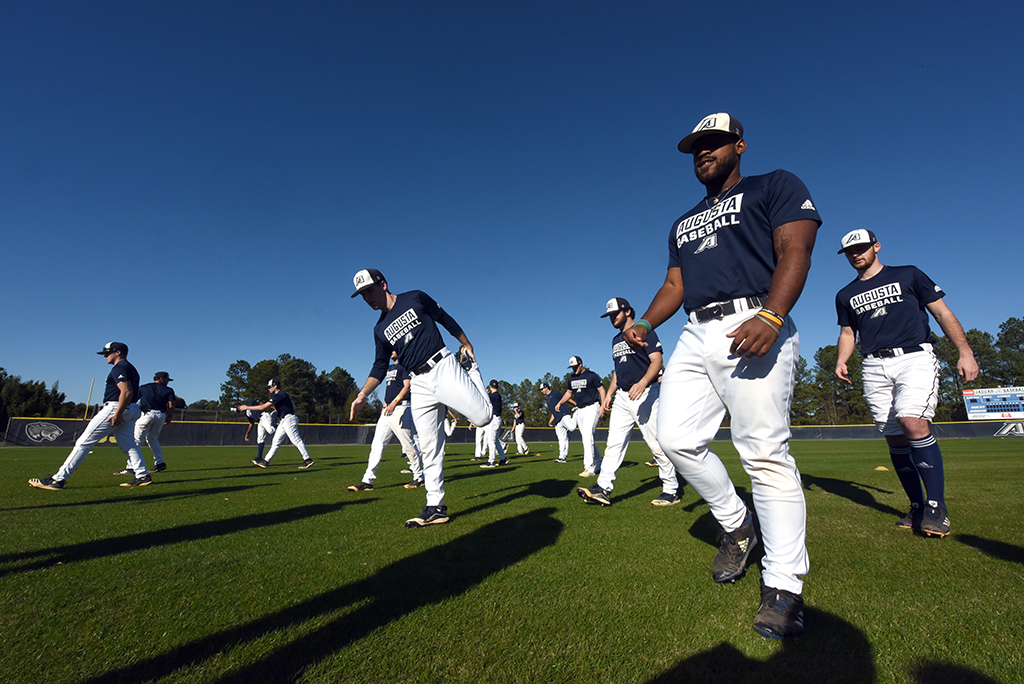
{"x":38,"y":432}
{"x":1010,"y":430}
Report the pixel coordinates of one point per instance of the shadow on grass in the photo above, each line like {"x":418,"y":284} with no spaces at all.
{"x":993,"y":548}
{"x":424,"y":579}
{"x":547,"y":489}
{"x":831,"y":650}
{"x":141,"y":494}
{"x":854,"y":491}
{"x":115,"y":546}
{"x":947,"y":673}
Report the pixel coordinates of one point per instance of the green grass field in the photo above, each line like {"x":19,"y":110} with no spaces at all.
{"x":221,"y":572}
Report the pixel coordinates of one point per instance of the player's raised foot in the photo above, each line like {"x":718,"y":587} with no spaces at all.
{"x":489,"y":465}
{"x":126,"y":471}
{"x":594,"y":494}
{"x":411,"y":485}
{"x":561,"y":460}
{"x":139,"y":481}
{"x":733,"y":549}
{"x":503,"y":462}
{"x":159,"y":468}
{"x":912,"y":520}
{"x":587,"y":473}
{"x":362,"y":487}
{"x":666,"y":499}
{"x":305,"y":464}
{"x":259,"y":463}
{"x":406,"y":471}
{"x":781,"y":614}
{"x":431,"y":515}
{"x":651,"y":464}
{"x":935,"y":520}
{"x":47,"y":483}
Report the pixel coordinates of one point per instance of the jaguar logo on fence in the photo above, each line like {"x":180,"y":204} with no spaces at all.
{"x":37,"y":432}
{"x":1010,"y":430}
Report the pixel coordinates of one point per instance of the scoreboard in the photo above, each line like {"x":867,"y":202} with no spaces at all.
{"x":997,"y":403}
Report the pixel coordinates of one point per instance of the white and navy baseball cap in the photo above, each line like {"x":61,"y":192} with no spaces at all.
{"x":575,"y":361}
{"x":111,"y":347}
{"x":614,"y":306}
{"x":515,"y":404}
{"x":860,"y":236}
{"x":272,"y":383}
{"x":709,"y":125}
{"x":366,"y":278}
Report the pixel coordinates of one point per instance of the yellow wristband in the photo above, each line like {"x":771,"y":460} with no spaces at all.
{"x":771,"y":316}
{"x":764,"y":319}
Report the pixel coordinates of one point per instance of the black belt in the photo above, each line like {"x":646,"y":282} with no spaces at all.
{"x":715,"y":311}
{"x":893,"y":352}
{"x":431,"y":362}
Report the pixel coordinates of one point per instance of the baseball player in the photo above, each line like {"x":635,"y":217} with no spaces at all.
{"x":408,"y":326}
{"x":265,"y":422}
{"x":287,"y":426}
{"x":395,"y":420}
{"x":737,"y":263}
{"x":586,"y":387}
{"x":888,"y":306}
{"x":562,"y":419}
{"x":495,"y":448}
{"x":632,"y":399}
{"x":156,"y":401}
{"x":522,"y":448}
{"x":117,"y":417}
{"x":479,"y":443}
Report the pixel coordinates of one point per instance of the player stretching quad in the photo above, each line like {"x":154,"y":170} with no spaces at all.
{"x":561,"y":419}
{"x":888,"y":306}
{"x":492,"y":432}
{"x":408,"y":326}
{"x":395,"y":420}
{"x":266,"y":424}
{"x":737,"y":264}
{"x":586,"y":387}
{"x":635,"y":392}
{"x":519,"y":418}
{"x":117,"y":417}
{"x":287,"y":426}
{"x":157,"y":405}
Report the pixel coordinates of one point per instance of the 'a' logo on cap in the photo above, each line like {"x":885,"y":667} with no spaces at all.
{"x":707,"y":123}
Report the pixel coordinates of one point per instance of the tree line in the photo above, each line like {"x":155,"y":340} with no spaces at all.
{"x":819,"y":397}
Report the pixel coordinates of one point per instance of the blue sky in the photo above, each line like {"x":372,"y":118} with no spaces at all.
{"x":201,"y":180}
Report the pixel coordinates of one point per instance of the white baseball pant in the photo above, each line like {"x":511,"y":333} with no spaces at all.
{"x":398,"y":424}
{"x":522,"y":448}
{"x":562,"y":429}
{"x":147,"y":429}
{"x":445,"y":385}
{"x":97,"y":429}
{"x":493,"y":439}
{"x":702,"y":380}
{"x":287,"y":427}
{"x":586,"y":421}
{"x":264,"y":427}
{"x":480,"y":450}
{"x":642,"y":412}
{"x":905,"y":386}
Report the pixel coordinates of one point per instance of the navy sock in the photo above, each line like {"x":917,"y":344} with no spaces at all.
{"x":907,"y":473}
{"x":928,"y":460}
{"x":260,"y":456}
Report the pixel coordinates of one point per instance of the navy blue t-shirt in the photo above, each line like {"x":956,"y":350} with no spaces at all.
{"x":121,"y":372}
{"x":395,"y":380}
{"x":154,"y":396}
{"x":631,"y":365}
{"x":725,"y":251}
{"x":552,"y":401}
{"x":888,"y":309}
{"x":283,"y":404}
{"x":410,"y":329}
{"x":584,"y":388}
{"x":495,"y":398}
{"x":520,"y":418}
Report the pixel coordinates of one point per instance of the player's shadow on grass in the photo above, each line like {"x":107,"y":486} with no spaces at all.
{"x":637,"y":491}
{"x":424,"y":579}
{"x":114,"y":546}
{"x":831,"y":650}
{"x":948,"y":673}
{"x":547,"y":489}
{"x":993,"y":548}
{"x":139,"y":494}
{"x":853,"y":491}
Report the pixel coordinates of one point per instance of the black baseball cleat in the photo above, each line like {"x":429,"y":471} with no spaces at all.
{"x":503,"y":462}
{"x":361,"y":487}
{"x":259,"y":463}
{"x":935,"y":520}
{"x":780,"y":615}
{"x":306,"y":463}
{"x":733,"y":549}
{"x":912,"y":520}
{"x":47,"y":483}
{"x":159,"y":468}
{"x":666,"y":499}
{"x":594,"y":494}
{"x":431,"y":515}
{"x":139,"y":481}
{"x":411,"y":485}
{"x":126,"y":471}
